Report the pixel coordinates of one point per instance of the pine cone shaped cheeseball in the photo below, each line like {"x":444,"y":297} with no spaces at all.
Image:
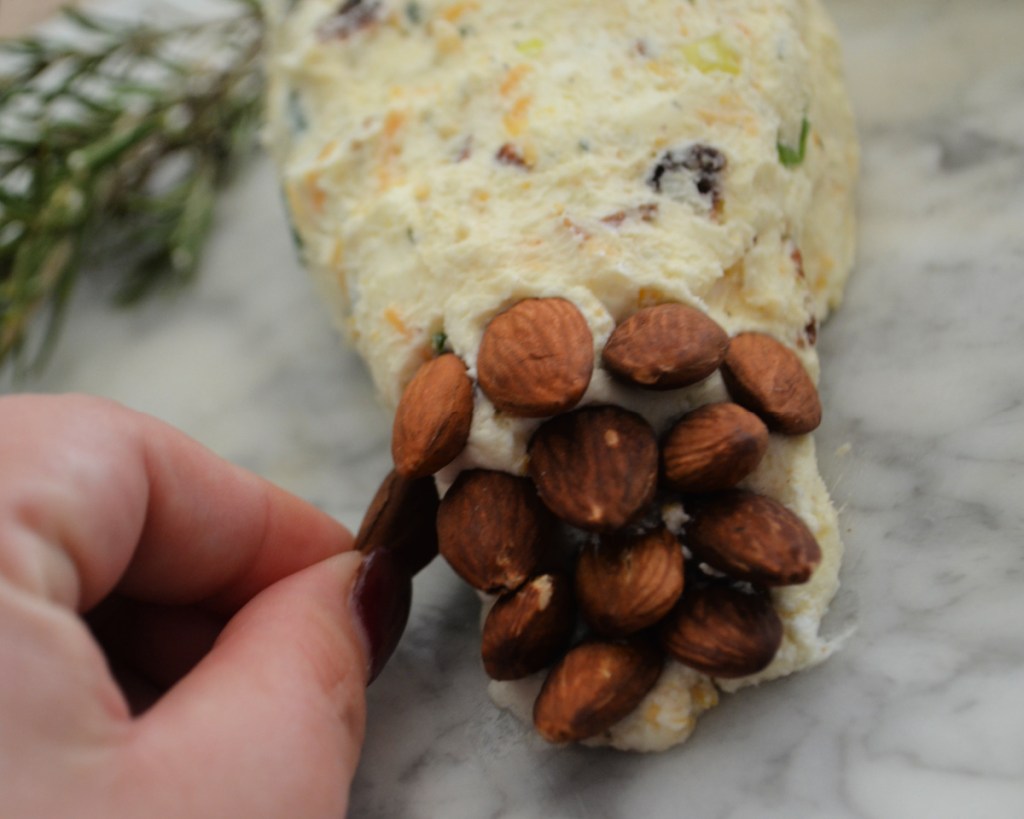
{"x":584,"y":247}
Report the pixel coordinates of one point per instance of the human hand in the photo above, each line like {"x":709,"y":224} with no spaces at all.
{"x":237,"y":611}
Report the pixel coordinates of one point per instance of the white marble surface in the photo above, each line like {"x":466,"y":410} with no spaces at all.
{"x":922,"y":714}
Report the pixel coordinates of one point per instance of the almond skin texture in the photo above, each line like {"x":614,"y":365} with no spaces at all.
{"x":528,"y":629}
{"x":402,"y":519}
{"x":723,"y":632}
{"x":596,"y":468}
{"x":536,"y":358}
{"x":665,"y":347}
{"x":713,"y":448}
{"x":766,"y":377}
{"x":752,"y":537}
{"x":490,"y":529}
{"x":593,"y":687}
{"x":433,"y":418}
{"x":625,"y":584}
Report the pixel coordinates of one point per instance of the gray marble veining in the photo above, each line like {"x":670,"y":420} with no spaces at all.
{"x":923,"y":375}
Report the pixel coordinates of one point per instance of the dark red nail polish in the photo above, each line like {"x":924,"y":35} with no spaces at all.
{"x":381,"y":598}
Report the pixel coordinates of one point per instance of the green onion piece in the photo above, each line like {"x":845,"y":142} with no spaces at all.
{"x":791,"y":157}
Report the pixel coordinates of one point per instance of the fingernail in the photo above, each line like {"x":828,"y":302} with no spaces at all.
{"x":381,"y":598}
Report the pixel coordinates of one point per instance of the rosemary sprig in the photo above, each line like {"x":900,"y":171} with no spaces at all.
{"x":114,"y":138}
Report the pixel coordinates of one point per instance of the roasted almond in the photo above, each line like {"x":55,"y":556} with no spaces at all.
{"x":665,"y":347}
{"x":722,"y":631}
{"x":594,"y":686}
{"x":402,"y":519}
{"x":627,"y":583}
{"x":433,"y":417}
{"x":528,"y":629}
{"x":752,"y":537}
{"x":536,"y":358}
{"x":596,"y":468}
{"x":712,"y":448}
{"x":766,"y":377}
{"x":490,"y":528}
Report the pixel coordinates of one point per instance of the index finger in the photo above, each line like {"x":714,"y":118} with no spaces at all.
{"x":94,"y":496}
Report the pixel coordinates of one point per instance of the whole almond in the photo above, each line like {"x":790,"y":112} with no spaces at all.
{"x":433,"y":417}
{"x":528,"y":629}
{"x":536,"y":358}
{"x":594,"y":686}
{"x":752,"y":537}
{"x":402,"y":519}
{"x":596,"y":468}
{"x":665,"y":347}
{"x":627,"y":583}
{"x":766,"y":377}
{"x":722,"y":631}
{"x":713,"y":448}
{"x":490,"y":527}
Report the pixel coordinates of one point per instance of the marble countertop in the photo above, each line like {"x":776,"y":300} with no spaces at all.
{"x":921,"y":714}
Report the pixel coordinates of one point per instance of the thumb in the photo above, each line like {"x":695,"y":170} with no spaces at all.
{"x":270,"y":722}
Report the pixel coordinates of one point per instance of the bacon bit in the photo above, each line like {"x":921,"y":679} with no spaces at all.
{"x":578,"y":231}
{"x":798,"y":261}
{"x":515,"y":120}
{"x":466,"y":151}
{"x":352,"y":16}
{"x":508,"y":154}
{"x":811,"y":331}
{"x":647,"y":212}
{"x":513,"y":77}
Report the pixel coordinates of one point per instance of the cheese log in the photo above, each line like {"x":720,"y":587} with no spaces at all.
{"x":443,"y":161}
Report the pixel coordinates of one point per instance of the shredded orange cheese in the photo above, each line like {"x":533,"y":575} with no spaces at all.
{"x":455,"y":11}
{"x":517,"y":117}
{"x":395,"y":320}
{"x":513,"y":77}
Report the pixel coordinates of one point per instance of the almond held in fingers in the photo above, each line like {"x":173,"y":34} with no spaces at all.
{"x":722,"y":631}
{"x":490,"y":529}
{"x":752,"y":537}
{"x":627,"y":583}
{"x":594,"y":686}
{"x":767,"y":377}
{"x":713,"y":448}
{"x":665,"y":347}
{"x":528,"y":629}
{"x":536,"y":358}
{"x":433,"y":418}
{"x":596,"y":468}
{"x":402,"y":519}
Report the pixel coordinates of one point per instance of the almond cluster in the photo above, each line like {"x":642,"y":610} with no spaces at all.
{"x":589,"y":582}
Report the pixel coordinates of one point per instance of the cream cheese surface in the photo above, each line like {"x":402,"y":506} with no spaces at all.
{"x":443,"y":160}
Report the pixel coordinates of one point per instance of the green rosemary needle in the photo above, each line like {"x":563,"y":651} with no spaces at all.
{"x":114,"y":138}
